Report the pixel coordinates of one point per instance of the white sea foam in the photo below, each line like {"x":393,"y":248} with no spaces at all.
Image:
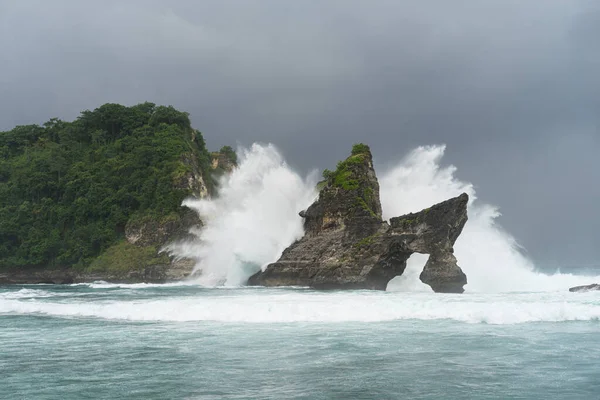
{"x":142,"y":285}
{"x":24,"y":294}
{"x":285,"y":306}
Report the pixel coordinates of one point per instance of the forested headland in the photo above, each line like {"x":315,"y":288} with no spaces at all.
{"x":68,"y":190}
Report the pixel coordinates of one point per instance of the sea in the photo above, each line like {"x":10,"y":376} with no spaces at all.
{"x":516,"y":333}
{"x":182,"y":341}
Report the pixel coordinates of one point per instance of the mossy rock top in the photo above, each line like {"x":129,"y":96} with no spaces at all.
{"x":350,"y":171}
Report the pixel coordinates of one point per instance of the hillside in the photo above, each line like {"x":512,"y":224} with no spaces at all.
{"x":69,"y":191}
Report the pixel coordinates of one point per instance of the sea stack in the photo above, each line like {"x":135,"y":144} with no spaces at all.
{"x":347,"y":245}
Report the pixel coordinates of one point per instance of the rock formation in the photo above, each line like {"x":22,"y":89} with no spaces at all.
{"x":347,"y":245}
{"x":223,"y":162}
{"x":585,"y":288}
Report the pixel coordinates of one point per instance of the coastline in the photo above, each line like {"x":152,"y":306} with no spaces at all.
{"x":161,"y":273}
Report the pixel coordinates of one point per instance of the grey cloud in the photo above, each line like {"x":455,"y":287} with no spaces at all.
{"x":512,"y":87}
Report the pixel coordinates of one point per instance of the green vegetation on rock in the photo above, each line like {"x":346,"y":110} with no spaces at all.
{"x":360,"y":148}
{"x":367,"y":241}
{"x":124,"y":256}
{"x":344,"y":175}
{"x":68,"y":189}
{"x":229,"y":154}
{"x":347,"y":176}
{"x":223,"y":162}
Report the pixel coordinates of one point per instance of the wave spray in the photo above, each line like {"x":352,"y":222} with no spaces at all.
{"x":491,"y":257}
{"x":256,"y":217}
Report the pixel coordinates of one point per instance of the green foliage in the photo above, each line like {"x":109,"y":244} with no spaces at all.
{"x":409,"y":220}
{"x":327,"y":173}
{"x":364,"y":199}
{"x":230,"y":154}
{"x":344,"y":176}
{"x":347,"y":176}
{"x":124,"y":256}
{"x":67,"y":189}
{"x":365,"y":242}
{"x":360,"y":202}
{"x":321,"y":184}
{"x":170,"y":116}
{"x":360,"y":148}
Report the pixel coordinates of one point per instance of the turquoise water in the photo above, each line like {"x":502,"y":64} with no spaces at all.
{"x":187,"y":342}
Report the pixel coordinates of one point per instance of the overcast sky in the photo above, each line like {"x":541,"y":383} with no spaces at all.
{"x":511,"y":86}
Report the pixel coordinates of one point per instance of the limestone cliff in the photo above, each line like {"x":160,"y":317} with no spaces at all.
{"x":224,"y":160}
{"x":347,"y":245}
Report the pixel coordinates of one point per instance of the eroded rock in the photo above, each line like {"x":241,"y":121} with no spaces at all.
{"x":347,"y":245}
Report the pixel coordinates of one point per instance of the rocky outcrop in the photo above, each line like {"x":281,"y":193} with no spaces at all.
{"x":347,"y":245}
{"x":194,"y":179}
{"x":585,"y":288}
{"x":222,"y":162}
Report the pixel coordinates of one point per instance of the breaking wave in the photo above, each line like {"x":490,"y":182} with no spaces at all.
{"x":289,"y":306}
{"x":254,"y":218}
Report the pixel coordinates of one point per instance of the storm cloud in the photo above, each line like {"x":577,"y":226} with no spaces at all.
{"x":511,"y":86}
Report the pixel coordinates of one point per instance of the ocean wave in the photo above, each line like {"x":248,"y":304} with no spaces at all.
{"x":328,"y":308}
{"x":25,"y":293}
{"x":107,"y":285}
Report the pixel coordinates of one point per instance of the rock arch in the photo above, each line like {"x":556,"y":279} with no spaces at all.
{"x":347,"y":245}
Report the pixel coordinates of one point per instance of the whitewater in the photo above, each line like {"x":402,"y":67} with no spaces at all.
{"x":184,"y":303}
{"x":516,"y":332}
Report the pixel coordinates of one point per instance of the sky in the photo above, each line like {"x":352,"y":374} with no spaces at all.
{"x":512,"y":87}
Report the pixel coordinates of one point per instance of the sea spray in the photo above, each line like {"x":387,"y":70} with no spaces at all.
{"x":254,"y":218}
{"x":491,"y":258}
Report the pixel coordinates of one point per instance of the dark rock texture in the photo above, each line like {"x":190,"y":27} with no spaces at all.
{"x":348,"y":246}
{"x":585,"y":288}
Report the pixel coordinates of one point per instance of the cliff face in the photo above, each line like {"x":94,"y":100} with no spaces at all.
{"x":349,"y":201}
{"x":140,"y":257}
{"x":158,"y":230}
{"x":152,"y":234}
{"x":222,"y":162}
{"x":347,"y":245}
